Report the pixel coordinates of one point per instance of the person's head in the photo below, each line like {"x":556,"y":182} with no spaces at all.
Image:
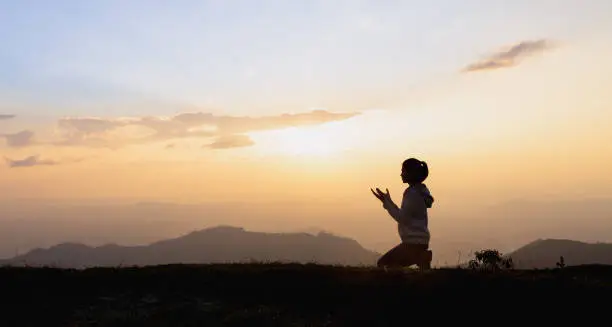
{"x":414,"y":171}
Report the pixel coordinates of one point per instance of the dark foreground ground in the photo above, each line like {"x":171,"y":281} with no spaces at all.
{"x":299,"y":295}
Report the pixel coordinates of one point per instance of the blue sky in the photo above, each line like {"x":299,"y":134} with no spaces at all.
{"x":157,"y":57}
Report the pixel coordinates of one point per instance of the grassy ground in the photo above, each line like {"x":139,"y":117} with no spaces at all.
{"x":296,"y":295}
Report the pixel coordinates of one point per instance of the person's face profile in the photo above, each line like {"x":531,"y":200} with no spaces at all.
{"x":405,"y":175}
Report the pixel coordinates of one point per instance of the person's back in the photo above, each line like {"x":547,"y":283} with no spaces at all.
{"x":416,"y":200}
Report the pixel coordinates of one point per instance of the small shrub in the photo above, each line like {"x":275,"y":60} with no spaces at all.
{"x":490,"y":259}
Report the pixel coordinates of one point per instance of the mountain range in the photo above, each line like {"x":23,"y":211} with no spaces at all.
{"x":222,"y":244}
{"x":228,"y":244}
{"x":545,"y":253}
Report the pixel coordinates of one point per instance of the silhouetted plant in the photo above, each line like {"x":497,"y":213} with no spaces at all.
{"x":490,"y":259}
{"x":561,"y":263}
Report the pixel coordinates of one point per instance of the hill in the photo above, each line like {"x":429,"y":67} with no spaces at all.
{"x":222,"y":244}
{"x":545,"y":253}
{"x":296,"y":295}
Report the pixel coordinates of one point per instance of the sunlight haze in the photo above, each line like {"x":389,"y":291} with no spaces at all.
{"x":284,"y":113}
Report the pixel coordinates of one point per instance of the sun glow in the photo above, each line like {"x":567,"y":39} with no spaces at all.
{"x":324,"y":141}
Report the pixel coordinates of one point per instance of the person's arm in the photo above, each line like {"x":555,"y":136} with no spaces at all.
{"x":399,"y":214}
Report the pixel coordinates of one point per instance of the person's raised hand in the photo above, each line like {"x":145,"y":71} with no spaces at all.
{"x":378,"y":195}
{"x":386,"y":196}
{"x":382,"y":196}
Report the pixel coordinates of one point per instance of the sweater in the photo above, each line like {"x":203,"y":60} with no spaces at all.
{"x":412,"y":218}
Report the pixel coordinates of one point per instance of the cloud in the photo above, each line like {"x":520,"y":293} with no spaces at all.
{"x":509,"y":57}
{"x":21,"y":139}
{"x":89,"y":125}
{"x":231,"y":141}
{"x":6,"y":117}
{"x":30,"y":161}
{"x":33,"y":161}
{"x":138,"y":130}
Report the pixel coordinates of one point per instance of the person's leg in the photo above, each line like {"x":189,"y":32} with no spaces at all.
{"x":394,"y":258}
{"x":427,"y":262}
{"x":421,"y":256}
{"x":406,"y":255}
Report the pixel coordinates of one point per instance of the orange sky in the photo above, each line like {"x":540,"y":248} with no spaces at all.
{"x":499,"y":113}
{"x":538,"y":128}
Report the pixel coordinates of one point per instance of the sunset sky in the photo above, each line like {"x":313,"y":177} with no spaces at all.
{"x":193,"y":101}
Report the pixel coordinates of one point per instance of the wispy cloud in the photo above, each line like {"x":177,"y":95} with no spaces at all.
{"x":510,"y":57}
{"x":20,"y":139}
{"x":33,"y":161}
{"x":226,"y":129}
{"x":6,"y":117}
{"x":30,"y":161}
{"x":231,"y":141}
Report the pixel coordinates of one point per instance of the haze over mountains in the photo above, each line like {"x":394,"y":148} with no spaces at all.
{"x":228,"y":244}
{"x":222,"y":244}
{"x":27,"y":225}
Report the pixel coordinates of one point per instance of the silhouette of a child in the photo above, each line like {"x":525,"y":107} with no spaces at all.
{"x":411,"y":217}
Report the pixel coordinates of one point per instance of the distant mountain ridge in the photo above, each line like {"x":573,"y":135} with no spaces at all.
{"x":221,"y":244}
{"x":545,"y":253}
